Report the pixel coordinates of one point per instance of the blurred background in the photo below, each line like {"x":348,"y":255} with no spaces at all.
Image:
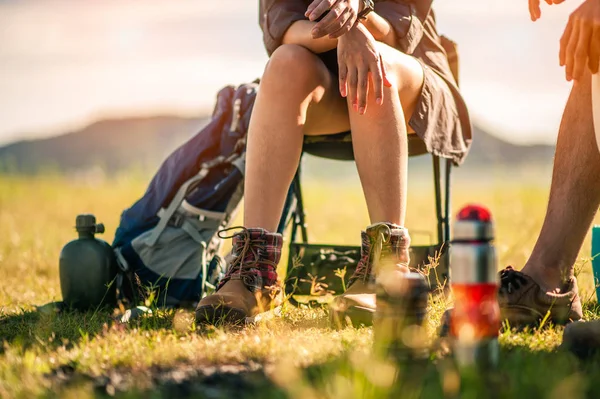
{"x":94,"y":94}
{"x":157,"y":65}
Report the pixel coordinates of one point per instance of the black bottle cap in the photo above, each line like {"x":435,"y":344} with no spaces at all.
{"x":85,"y":223}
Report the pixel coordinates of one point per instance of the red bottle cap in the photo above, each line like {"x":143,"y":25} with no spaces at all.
{"x":475,"y":213}
{"x":473,"y":224}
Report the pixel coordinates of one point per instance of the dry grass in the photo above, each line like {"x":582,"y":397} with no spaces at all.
{"x":296,"y":356}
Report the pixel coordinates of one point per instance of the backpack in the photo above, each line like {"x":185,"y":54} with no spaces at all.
{"x":167,"y":242}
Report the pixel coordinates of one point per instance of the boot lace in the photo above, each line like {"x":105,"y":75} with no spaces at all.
{"x":382,"y":235}
{"x":511,"y":280}
{"x":247,"y":260}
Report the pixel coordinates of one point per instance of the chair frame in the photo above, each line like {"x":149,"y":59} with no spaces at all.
{"x":295,"y":215}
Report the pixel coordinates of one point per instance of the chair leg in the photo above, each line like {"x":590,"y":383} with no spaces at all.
{"x":447,"y":200}
{"x":300,"y":216}
{"x":443,"y":218}
{"x":289,"y":210}
{"x":438,"y":199}
{"x":442,"y":212}
{"x":293,"y":212}
{"x":297,"y":218}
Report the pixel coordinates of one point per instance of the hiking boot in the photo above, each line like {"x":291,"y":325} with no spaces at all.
{"x":382,"y":242}
{"x":582,"y":338}
{"x":250,"y":286}
{"x":523,"y":302}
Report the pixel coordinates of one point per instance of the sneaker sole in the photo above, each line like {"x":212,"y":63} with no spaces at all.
{"x":523,"y":316}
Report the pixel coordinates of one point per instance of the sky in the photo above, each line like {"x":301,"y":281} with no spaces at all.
{"x":66,"y":63}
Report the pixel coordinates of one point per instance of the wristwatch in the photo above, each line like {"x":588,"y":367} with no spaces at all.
{"x":368,"y":7}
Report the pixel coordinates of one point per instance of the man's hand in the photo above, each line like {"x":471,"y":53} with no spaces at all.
{"x":359,"y":60}
{"x":535,"y":10}
{"x":580,"y":43}
{"x":339,"y":20}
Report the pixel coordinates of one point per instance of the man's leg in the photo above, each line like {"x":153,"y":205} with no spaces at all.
{"x":574,"y":193}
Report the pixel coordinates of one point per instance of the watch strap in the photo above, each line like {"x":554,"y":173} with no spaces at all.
{"x":368,"y":7}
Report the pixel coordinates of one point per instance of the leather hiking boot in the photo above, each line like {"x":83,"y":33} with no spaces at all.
{"x":250,"y":286}
{"x":523,"y":302}
{"x":382,"y":242}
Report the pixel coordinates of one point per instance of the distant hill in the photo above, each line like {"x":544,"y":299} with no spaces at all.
{"x":112,"y":145}
{"x":488,"y":149}
{"x":120,"y":144}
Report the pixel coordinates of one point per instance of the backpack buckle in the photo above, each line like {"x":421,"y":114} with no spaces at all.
{"x":177,"y":220}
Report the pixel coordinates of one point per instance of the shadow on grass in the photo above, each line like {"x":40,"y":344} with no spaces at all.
{"x":522,"y":373}
{"x":47,"y":327}
{"x":50,"y":327}
{"x":184,"y":381}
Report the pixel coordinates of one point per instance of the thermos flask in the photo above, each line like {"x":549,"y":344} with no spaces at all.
{"x":475,"y":319}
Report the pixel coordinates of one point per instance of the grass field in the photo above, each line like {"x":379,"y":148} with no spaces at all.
{"x":297,"y":356}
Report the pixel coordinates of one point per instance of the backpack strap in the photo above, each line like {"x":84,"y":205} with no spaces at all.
{"x":179,"y":197}
{"x":174,"y":205}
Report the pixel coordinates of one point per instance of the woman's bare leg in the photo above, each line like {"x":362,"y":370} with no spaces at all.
{"x":380,"y":139}
{"x":296,"y":87}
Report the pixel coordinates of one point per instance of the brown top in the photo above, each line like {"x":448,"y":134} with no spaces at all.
{"x":413,"y":21}
{"x":415,"y":26}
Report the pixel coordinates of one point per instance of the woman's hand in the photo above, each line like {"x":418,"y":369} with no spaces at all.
{"x":534,"y":8}
{"x":580,"y":43}
{"x":341,"y":17}
{"x":359,"y":60}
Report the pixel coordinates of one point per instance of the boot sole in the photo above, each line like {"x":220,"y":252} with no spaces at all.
{"x":223,"y":315}
{"x":263,"y":316}
{"x":219,"y":316}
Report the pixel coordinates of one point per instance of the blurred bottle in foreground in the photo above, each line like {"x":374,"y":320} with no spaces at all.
{"x":475,"y":319}
{"x":399,"y":334}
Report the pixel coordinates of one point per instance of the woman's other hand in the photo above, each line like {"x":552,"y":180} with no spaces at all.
{"x":360,"y":61}
{"x":341,"y":17}
{"x":534,"y":8}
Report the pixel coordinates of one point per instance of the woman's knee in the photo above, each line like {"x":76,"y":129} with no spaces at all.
{"x":403,"y":71}
{"x":293,"y":66}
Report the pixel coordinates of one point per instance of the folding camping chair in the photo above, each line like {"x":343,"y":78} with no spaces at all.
{"x":312,"y":269}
